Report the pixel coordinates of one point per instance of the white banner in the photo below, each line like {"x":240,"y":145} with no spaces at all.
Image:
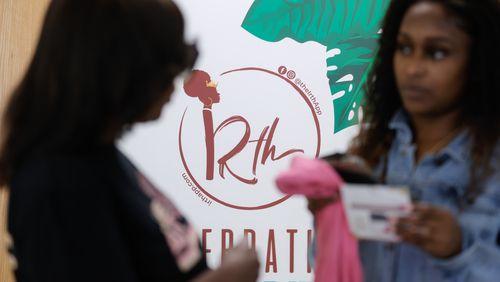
{"x":264,"y":96}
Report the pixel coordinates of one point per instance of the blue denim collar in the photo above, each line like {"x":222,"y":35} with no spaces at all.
{"x":458,"y":149}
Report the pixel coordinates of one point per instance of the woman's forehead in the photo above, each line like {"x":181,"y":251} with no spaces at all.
{"x":431,"y":20}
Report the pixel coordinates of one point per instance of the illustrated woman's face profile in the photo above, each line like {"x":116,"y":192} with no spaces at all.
{"x":212,"y":96}
{"x":430,"y":61}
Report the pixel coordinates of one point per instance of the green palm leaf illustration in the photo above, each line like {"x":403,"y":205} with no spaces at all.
{"x":347,"y":28}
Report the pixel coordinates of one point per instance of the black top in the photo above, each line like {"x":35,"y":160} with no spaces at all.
{"x":93,"y":217}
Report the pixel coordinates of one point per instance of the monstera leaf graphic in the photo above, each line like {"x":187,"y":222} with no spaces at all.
{"x":347,"y":28}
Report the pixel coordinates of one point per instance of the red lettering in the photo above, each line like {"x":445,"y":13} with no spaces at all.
{"x":292,"y":247}
{"x":309,"y":242}
{"x":265,"y":138}
{"x":209,"y":142}
{"x":271,"y":253}
{"x":236,"y":149}
{"x":270,"y":150}
{"x":261,"y":140}
{"x":204,"y":233}
{"x":225,"y":243}
{"x":250,"y":235}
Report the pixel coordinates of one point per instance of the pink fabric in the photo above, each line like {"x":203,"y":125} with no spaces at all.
{"x":337,"y":253}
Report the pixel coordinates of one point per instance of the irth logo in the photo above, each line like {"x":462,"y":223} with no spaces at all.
{"x":246,"y":128}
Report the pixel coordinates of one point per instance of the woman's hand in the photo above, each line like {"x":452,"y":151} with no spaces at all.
{"x":239,"y":264}
{"x":432,"y":229}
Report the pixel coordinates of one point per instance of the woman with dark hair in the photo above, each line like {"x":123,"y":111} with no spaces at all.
{"x":432,"y":123}
{"x":79,"y":210}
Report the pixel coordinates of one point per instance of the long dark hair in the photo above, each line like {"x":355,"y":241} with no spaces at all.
{"x":480,"y":19}
{"x":98,"y":67}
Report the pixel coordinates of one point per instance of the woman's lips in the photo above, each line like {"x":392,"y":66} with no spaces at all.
{"x":217,"y":98}
{"x":414,"y":92}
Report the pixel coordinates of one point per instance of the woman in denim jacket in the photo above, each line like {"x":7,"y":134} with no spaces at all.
{"x":432,"y":122}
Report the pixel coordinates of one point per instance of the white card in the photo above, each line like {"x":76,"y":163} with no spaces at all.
{"x":369,"y":208}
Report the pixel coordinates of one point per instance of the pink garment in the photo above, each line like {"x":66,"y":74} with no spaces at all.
{"x":337,"y":253}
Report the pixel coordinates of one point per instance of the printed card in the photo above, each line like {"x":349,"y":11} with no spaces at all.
{"x":370,"y":207}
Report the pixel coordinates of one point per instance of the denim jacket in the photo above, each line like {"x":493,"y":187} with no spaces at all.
{"x":440,"y":179}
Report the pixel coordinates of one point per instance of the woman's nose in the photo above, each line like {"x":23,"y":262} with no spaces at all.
{"x":416,"y":66}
